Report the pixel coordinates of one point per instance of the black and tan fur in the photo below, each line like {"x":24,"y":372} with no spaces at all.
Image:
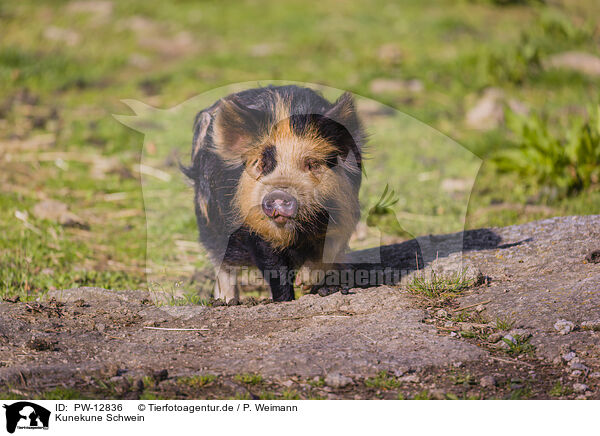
{"x":288,"y":139}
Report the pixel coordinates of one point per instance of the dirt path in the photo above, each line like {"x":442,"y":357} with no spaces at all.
{"x":103,"y":343}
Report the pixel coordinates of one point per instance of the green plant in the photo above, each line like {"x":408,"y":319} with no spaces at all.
{"x":514,"y":63}
{"x":566,"y":165}
{"x":249,"y":379}
{"x":383,"y":380}
{"x":504,"y":324}
{"x":559,"y":390}
{"x":197,"y":381}
{"x":440,"y":286}
{"x":520,"y":346}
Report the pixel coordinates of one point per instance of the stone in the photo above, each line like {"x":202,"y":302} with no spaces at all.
{"x":494,"y":337}
{"x":567,"y":357}
{"x":57,"y":211}
{"x":584,"y":63}
{"x":337,"y":380}
{"x":580,"y":387}
{"x":412,"y":378}
{"x":578,"y":366}
{"x":563,"y":326}
{"x":591,"y":325}
{"x":488,"y":112}
{"x":487,"y":381}
{"x":521,"y":333}
{"x":395,"y":86}
{"x":441,"y":313}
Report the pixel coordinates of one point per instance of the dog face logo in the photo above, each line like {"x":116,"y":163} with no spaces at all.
{"x":26,"y":415}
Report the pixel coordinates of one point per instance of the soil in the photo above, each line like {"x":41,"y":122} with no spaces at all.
{"x":380,"y":342}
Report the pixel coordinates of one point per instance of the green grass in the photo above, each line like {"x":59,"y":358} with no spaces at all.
{"x":383,"y":380}
{"x":560,"y":390}
{"x":249,"y":379}
{"x":522,"y":346}
{"x":436,"y":285}
{"x":67,"y":89}
{"x":504,"y":324}
{"x":197,"y":381}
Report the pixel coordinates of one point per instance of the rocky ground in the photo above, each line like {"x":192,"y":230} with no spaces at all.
{"x":531,"y":329}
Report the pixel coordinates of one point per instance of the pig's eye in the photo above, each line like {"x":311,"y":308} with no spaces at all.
{"x":311,"y":164}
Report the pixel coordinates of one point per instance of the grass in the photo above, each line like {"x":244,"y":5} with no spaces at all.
{"x":439,"y":286}
{"x":249,"y":379}
{"x":504,"y":324}
{"x":197,"y":381}
{"x":59,"y":140}
{"x":560,"y":390}
{"x":383,"y":380}
{"x":519,"y":347}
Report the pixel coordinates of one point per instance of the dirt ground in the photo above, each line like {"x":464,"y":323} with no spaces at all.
{"x":530,"y":330}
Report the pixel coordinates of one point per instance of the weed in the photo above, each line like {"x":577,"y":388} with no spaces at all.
{"x":439,"y":286}
{"x":249,"y":379}
{"x":504,"y":324}
{"x":290,"y":394}
{"x":423,"y":395}
{"x":383,"y":380}
{"x":320,"y":382}
{"x":560,"y":390}
{"x":561,"y":165}
{"x":520,"y":346}
{"x":197,"y":381}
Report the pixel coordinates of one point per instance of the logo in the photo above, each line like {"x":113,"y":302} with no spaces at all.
{"x":26,"y":415}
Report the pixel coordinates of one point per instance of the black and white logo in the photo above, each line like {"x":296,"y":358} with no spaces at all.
{"x":26,"y":415}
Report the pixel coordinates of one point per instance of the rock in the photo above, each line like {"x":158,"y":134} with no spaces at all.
{"x":575,"y":374}
{"x":510,"y":338}
{"x":594,"y":375}
{"x":390,"y":54}
{"x":99,"y":8}
{"x":488,"y":111}
{"x":580,"y":62}
{"x":580,"y":387}
{"x":57,"y":211}
{"x":591,"y":325}
{"x":412,"y":378}
{"x":521,"y":333}
{"x":502,"y":345}
{"x":578,"y":366}
{"x":480,"y":308}
{"x":563,"y":326}
{"x":337,"y":380}
{"x":593,"y":257}
{"x":395,"y":86}
{"x":288,"y":383}
{"x":487,"y":381}
{"x":456,"y":185}
{"x":569,"y":356}
{"x":58,"y":34}
{"x":441,"y":313}
{"x":494,"y":337}
{"x":161,"y":375}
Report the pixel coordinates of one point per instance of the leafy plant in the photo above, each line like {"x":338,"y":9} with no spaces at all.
{"x":566,"y":165}
{"x":514,"y":63}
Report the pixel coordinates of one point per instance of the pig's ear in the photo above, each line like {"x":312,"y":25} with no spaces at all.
{"x":343,"y":112}
{"x":237,"y":129}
